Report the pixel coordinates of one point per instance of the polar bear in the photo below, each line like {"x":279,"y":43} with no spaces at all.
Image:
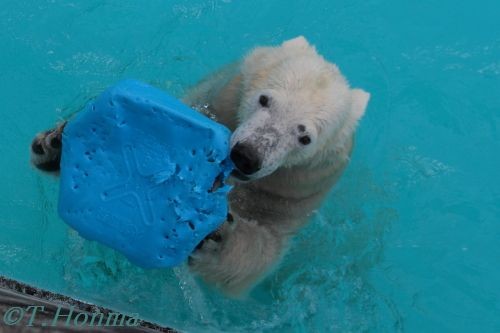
{"x":293,"y":117}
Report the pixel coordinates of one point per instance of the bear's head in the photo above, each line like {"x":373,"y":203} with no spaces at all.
{"x":296,"y":108}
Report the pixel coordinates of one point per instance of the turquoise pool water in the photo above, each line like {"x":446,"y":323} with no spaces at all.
{"x":408,"y":241}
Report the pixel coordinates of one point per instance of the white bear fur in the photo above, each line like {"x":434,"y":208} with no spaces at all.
{"x":304,"y":89}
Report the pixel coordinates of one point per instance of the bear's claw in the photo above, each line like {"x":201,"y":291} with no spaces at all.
{"x":213,"y":241}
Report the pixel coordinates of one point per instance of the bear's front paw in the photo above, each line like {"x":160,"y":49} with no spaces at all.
{"x":211,"y":245}
{"x":46,"y":149}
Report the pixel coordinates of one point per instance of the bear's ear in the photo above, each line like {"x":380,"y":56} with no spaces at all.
{"x":296,"y":43}
{"x":257,"y":59}
{"x":359,"y":101}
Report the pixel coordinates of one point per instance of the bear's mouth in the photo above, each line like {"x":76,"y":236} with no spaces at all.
{"x":239,"y":175}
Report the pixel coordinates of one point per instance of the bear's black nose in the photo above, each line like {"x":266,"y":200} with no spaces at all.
{"x":245,"y":158}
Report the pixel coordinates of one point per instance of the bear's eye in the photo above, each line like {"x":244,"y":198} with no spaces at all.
{"x":305,"y":140}
{"x":264,"y":101}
